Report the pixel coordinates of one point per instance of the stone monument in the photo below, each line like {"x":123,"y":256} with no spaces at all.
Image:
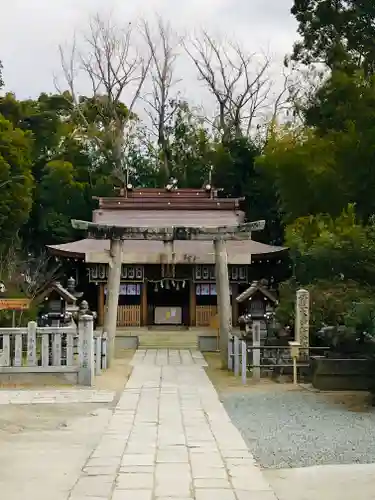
{"x":302,"y":322}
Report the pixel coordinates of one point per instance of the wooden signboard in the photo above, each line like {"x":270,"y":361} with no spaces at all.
{"x":14,"y":304}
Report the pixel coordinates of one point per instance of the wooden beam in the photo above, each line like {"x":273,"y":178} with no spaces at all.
{"x":239,"y":232}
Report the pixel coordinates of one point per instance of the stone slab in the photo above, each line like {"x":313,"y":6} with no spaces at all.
{"x":26,"y":397}
{"x":170,"y":438}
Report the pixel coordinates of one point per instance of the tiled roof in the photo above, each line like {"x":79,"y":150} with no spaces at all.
{"x":253,"y":288}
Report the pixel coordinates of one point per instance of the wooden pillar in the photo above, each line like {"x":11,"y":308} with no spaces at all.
{"x":223,"y":298}
{"x":144,"y":305}
{"x":113,"y":292}
{"x":192,"y":304}
{"x":234,"y":304}
{"x":101,"y":304}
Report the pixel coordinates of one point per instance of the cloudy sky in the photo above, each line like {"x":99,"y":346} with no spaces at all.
{"x":31,"y":30}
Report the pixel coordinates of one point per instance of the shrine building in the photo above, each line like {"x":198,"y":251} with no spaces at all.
{"x":152,"y":291}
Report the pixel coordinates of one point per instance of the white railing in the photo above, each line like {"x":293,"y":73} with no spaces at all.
{"x":54,"y":350}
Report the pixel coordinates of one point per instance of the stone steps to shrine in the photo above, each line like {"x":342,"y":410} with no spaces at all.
{"x":168,"y":340}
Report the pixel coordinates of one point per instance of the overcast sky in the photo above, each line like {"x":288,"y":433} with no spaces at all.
{"x":31,"y":30}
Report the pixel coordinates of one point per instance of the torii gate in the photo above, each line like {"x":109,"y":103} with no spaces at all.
{"x":218,"y":235}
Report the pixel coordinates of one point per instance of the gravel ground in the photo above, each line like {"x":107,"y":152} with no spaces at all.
{"x":300,"y":429}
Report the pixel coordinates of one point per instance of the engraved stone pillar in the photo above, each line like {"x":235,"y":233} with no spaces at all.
{"x":302,"y":322}
{"x":86,"y":350}
{"x":31,"y":343}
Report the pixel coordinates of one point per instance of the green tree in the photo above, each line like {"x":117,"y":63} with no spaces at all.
{"x":339,"y":33}
{"x":189,"y":147}
{"x":343,"y":101}
{"x":301,"y":169}
{"x":343,"y":112}
{"x":236,"y":172}
{"x":333,"y":303}
{"x":48,"y":123}
{"x":334,"y":258}
{"x":46,"y":118}
{"x":61,"y":198}
{"x":16,"y":180}
{"x":332,"y":248}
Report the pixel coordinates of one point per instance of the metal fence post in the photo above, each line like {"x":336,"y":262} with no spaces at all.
{"x":98,"y":355}
{"x":104,"y":350}
{"x":256,"y":350}
{"x":236,"y":356}
{"x":244,"y":361}
{"x":230,"y":354}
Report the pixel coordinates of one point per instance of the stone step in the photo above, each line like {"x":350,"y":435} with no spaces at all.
{"x":167,"y":339}
{"x":168,"y":343}
{"x":170,"y":347}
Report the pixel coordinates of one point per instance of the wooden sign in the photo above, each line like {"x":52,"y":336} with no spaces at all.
{"x":14,"y":304}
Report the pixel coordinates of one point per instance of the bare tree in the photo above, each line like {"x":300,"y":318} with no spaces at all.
{"x":27,"y":274}
{"x":37,"y":273}
{"x":8,"y":263}
{"x":239,"y":82}
{"x":305,"y":85}
{"x":163,"y":46}
{"x":109,"y":59}
{"x":280,"y":108}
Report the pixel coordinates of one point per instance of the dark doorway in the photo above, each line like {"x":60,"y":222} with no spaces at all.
{"x":168,"y":303}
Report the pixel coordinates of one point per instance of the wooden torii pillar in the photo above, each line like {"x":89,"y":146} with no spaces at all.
{"x":218,"y":235}
{"x":113,"y":292}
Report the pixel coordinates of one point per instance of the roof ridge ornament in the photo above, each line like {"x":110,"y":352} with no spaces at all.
{"x":172,"y":184}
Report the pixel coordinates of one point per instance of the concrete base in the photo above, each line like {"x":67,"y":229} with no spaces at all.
{"x":208,"y":344}
{"x":335,"y":374}
{"x":328,"y":482}
{"x":124,"y":342}
{"x":43,"y":449}
{"x":38,"y":378}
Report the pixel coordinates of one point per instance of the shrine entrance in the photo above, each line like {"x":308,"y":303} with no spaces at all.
{"x":168,"y":302}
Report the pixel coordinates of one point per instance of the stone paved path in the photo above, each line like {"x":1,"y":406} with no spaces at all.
{"x":162,"y":357}
{"x":170,"y":438}
{"x":58,"y":396}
